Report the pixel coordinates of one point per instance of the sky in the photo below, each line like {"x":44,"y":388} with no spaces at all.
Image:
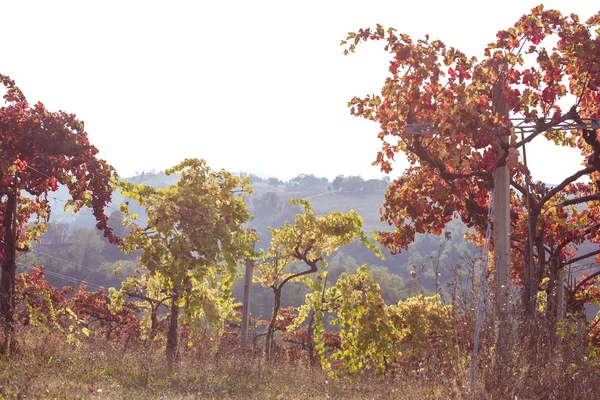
{"x":254,"y":86}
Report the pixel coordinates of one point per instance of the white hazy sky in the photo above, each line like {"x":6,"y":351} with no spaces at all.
{"x":258,"y":86}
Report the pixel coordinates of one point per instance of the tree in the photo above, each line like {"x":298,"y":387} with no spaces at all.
{"x":337,"y":182}
{"x":307,"y":241}
{"x":452,"y":164}
{"x":111,"y":252}
{"x":366,"y":332}
{"x":54,"y":243}
{"x":39,"y":150}
{"x":307,"y":183}
{"x":97,"y":308}
{"x":253,"y":178}
{"x":86,"y":248}
{"x":275,"y":182}
{"x":192,"y":242}
{"x":43,"y":304}
{"x":376,"y":336}
{"x":352,"y":183}
{"x":151,"y":297}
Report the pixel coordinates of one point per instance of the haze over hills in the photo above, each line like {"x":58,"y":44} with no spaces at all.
{"x":270,"y":201}
{"x":270,"y":205}
{"x":319,"y":192}
{"x":74,"y":251}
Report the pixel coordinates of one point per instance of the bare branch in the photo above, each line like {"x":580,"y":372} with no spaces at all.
{"x":583,"y":282}
{"x":582,"y":199}
{"x":586,"y":231}
{"x":141,"y":296}
{"x":583,"y":257}
{"x":591,"y":328}
{"x":566,"y":182}
{"x":532,"y":200}
{"x":313,"y":268}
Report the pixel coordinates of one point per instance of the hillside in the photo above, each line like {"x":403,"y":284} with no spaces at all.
{"x":366,"y":203}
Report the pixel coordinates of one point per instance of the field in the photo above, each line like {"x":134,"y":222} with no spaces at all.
{"x":367,"y":203}
{"x":47,"y":367}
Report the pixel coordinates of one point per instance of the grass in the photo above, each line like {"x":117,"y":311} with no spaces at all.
{"x":46,"y":367}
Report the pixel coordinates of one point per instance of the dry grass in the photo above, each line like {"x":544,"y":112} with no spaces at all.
{"x":541,"y":365}
{"x":45,"y":366}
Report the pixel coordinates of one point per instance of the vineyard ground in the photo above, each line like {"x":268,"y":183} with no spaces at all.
{"x":45,"y":366}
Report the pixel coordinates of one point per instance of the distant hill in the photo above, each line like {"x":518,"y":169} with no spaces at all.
{"x":366,"y":203}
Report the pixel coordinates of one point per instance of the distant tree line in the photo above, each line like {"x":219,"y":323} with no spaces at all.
{"x":312,"y":183}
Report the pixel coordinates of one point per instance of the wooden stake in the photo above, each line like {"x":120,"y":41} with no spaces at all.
{"x":502,"y":221}
{"x":246,"y":303}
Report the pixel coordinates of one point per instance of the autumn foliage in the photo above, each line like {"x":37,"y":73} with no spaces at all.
{"x":440,"y":109}
{"x":41,"y":149}
{"x":76,"y":311}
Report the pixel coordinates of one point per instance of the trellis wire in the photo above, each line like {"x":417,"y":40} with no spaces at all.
{"x":61,"y":276}
{"x":78,"y":266}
